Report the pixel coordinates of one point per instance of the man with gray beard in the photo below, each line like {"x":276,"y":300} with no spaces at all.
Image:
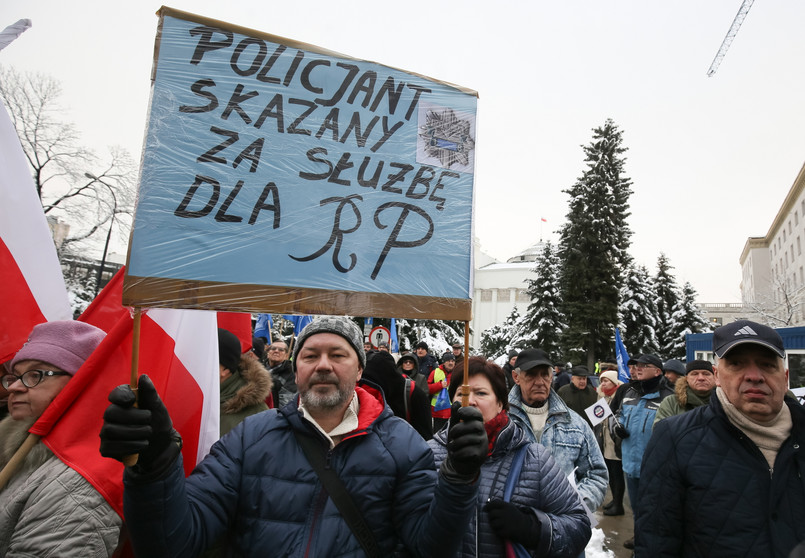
{"x":257,"y":489}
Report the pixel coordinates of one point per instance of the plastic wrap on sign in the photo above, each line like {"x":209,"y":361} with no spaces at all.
{"x":282,"y":177}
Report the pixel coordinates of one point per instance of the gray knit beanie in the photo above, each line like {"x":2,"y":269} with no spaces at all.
{"x":344,"y":327}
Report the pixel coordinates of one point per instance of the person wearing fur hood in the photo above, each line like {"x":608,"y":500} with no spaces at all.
{"x":245,"y":383}
{"x":47,"y":508}
{"x":691,"y":391}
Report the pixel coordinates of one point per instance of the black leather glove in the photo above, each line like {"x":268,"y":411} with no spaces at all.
{"x":467,"y":444}
{"x":146,"y":430}
{"x":513,"y":523}
{"x":620,"y":431}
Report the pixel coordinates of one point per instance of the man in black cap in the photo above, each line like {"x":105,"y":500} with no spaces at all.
{"x":579,"y":394}
{"x":728,"y":476}
{"x":547,"y":420}
{"x":673,"y":370}
{"x":635,"y":419}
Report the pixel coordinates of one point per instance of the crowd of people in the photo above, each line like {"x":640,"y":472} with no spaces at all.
{"x":333,"y":447}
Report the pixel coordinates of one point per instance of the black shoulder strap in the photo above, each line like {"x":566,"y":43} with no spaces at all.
{"x":338,"y":494}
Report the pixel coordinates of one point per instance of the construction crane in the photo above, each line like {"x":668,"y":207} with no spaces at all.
{"x":725,"y":44}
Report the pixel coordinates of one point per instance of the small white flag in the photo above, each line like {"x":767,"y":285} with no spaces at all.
{"x":598,"y":411}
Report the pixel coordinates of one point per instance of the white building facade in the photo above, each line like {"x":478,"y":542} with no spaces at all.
{"x":773,"y":266}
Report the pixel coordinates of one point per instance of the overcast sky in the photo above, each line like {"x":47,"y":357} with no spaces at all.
{"x":711,"y":158}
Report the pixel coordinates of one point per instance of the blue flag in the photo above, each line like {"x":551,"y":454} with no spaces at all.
{"x":395,"y":344}
{"x":299,"y":322}
{"x":263,"y":326}
{"x":622,"y":356}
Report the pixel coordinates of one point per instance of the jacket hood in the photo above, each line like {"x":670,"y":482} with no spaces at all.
{"x":255,"y":390}
{"x":409,"y":356}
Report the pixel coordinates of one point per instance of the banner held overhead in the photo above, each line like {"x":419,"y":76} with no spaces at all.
{"x":282,"y":177}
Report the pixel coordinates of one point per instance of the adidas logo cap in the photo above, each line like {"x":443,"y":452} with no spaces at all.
{"x":743,"y":331}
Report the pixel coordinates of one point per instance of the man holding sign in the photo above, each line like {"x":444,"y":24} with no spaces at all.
{"x":262,"y":487}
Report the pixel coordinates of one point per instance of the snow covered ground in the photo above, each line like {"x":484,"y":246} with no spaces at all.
{"x":595,"y":548}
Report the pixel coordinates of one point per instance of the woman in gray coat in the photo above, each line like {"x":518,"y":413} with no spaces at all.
{"x":47,"y":508}
{"x":544,"y":514}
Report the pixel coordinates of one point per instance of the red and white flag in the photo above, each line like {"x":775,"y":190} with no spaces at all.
{"x":32,"y":285}
{"x":179,"y":352}
{"x":240,"y":324}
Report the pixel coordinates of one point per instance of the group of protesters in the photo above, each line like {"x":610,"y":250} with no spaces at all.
{"x":326,"y":451}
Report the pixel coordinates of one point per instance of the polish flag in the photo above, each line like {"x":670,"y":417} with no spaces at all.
{"x":178,"y":351}
{"x":239,"y":323}
{"x":33,"y":289}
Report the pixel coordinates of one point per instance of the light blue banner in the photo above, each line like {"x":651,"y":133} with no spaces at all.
{"x":269,"y":164}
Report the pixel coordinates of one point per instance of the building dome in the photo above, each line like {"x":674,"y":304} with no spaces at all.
{"x":530,"y":254}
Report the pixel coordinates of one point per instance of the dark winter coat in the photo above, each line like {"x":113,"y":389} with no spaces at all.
{"x":427,"y":364}
{"x":507,"y":374}
{"x":562,"y":378}
{"x":256,"y":484}
{"x":638,"y":408}
{"x":382,"y":371}
{"x":244,"y":393}
{"x":683,"y":400}
{"x":578,"y":399}
{"x":284,"y":387}
{"x":543,"y":487}
{"x":420,"y":380}
{"x":712,"y":493}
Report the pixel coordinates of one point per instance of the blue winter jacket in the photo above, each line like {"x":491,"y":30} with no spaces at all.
{"x":638,"y":409}
{"x":712,"y":494}
{"x":572,"y":444}
{"x":565,"y":527}
{"x":257,"y":489}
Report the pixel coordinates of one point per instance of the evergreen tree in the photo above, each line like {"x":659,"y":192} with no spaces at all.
{"x":593,"y":247}
{"x":543,"y":323}
{"x":687,"y":319}
{"x":497,"y":340}
{"x":439,"y":335}
{"x":667,"y":296}
{"x":638,"y":312}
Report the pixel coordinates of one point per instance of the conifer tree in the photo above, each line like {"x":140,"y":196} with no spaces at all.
{"x":638,"y":312}
{"x":687,"y":319}
{"x":593,"y":247}
{"x":543,"y":324}
{"x":667,"y":296}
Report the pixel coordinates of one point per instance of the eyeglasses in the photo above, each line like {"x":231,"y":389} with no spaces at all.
{"x":31,"y":378}
{"x":276,"y":349}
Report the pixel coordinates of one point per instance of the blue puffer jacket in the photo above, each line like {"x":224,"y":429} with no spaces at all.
{"x":709,"y":491}
{"x":638,"y":410}
{"x":257,"y":487}
{"x":572,"y":444}
{"x":542,"y":486}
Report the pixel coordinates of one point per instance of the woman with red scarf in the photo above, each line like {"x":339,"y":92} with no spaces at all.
{"x":544,"y":513}
{"x":610,"y":447}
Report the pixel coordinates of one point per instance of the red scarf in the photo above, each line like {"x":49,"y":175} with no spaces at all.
{"x":609,"y":391}
{"x":494,"y":426}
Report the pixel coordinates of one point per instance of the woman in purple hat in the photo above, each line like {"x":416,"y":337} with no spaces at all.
{"x":47,"y":508}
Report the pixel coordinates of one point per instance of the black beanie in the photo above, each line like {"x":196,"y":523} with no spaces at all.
{"x":228,"y":350}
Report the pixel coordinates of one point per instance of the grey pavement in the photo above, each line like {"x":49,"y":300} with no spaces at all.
{"x":616,"y":528}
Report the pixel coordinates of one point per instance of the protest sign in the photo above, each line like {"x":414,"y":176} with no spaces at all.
{"x":598,"y":411}
{"x":282,"y":177}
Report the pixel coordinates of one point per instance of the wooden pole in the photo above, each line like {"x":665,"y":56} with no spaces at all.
{"x":131,"y":460}
{"x":465,"y":389}
{"x":16,"y":460}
